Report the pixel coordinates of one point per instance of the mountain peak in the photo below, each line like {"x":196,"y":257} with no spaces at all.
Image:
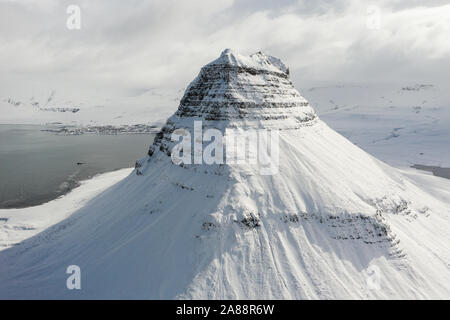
{"x":256,"y":61}
{"x":252,"y":88}
{"x":240,"y":92}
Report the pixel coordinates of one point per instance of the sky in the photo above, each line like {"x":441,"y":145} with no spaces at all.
{"x":129,"y":47}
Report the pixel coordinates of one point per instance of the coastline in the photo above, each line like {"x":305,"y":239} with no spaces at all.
{"x":39,"y":165}
{"x":19,"y":224}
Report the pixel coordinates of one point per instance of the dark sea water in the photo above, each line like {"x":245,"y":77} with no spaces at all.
{"x":437,"y":171}
{"x":37,"y":166}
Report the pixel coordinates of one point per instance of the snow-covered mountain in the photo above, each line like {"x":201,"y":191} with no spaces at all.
{"x":331,"y":222}
{"x":402,"y":124}
{"x":46,"y":105}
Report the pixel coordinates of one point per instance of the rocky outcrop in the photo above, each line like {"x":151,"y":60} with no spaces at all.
{"x":234,"y":90}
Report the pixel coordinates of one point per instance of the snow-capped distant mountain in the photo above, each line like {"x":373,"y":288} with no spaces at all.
{"x":400,"y":124}
{"x":149,"y":106}
{"x":331,"y":222}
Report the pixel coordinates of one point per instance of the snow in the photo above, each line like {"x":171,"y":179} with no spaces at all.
{"x":96,"y":109}
{"x":145,"y":236}
{"x":17,"y":225}
{"x":401,"y":124}
{"x":257,"y":61}
{"x":314,"y":230}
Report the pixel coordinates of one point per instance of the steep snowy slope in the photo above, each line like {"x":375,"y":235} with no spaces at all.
{"x":19,"y":224}
{"x":320,"y":226}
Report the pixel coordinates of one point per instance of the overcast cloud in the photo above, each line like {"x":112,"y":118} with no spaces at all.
{"x":131,"y":46}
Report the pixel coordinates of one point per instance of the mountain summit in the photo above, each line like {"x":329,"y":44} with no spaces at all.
{"x":236,"y":91}
{"x":330,"y":222}
{"x":254,"y":88}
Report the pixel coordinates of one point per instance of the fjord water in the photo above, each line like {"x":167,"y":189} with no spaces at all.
{"x":436,"y":170}
{"x":37,"y":166}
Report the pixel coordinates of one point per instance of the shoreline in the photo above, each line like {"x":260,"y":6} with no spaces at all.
{"x":437,"y":171}
{"x":39,"y":166}
{"x":65,"y":188}
{"x":19,"y":224}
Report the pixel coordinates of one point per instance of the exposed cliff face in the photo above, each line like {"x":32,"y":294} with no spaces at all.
{"x":250,"y":88}
{"x":313,"y":229}
{"x":236,"y":91}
